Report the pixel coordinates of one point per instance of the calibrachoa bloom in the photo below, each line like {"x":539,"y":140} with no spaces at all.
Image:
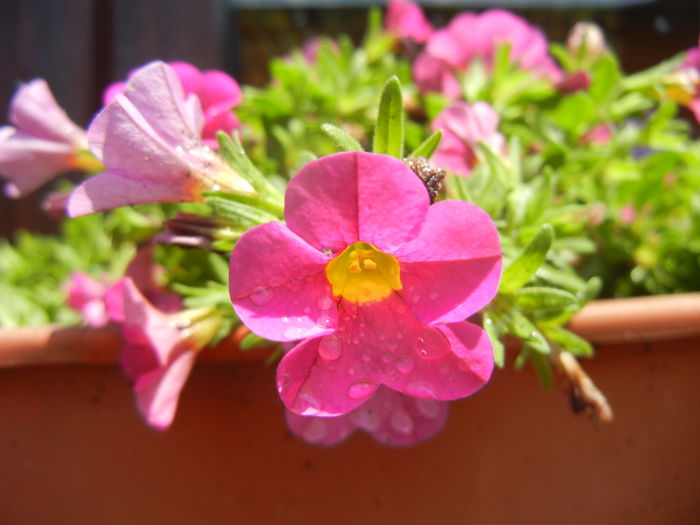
{"x":43,"y":143}
{"x":87,"y":296}
{"x":149,"y":141}
{"x":683,"y":85}
{"x":217,"y":92}
{"x":406,"y":20}
{"x":375,"y":280}
{"x":464,"y":126}
{"x":159,"y":352}
{"x":389,"y":417}
{"x":470,"y":36}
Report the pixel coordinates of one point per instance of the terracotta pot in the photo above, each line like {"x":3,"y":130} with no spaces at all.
{"x":73,"y":450}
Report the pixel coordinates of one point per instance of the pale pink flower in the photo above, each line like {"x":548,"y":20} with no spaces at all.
{"x":43,"y":143}
{"x":586,"y":43}
{"x":470,"y":36}
{"x":375,"y":280}
{"x":599,"y":135}
{"x":391,"y":418}
{"x":218,"y":94}
{"x":406,"y":20}
{"x":464,"y":126}
{"x":149,"y":141}
{"x":628,"y":214}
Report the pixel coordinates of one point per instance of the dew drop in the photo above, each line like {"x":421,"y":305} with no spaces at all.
{"x":405,"y":365}
{"x":360,"y":389}
{"x":293,"y":333}
{"x":428,"y":407}
{"x":307,"y":404}
{"x":366,"y":357}
{"x":330,"y":348}
{"x":285,"y":320}
{"x":388,"y":357}
{"x":351,"y":371}
{"x":307,"y":310}
{"x":316,"y":430}
{"x":401,"y":421}
{"x":324,"y":320}
{"x":262,"y":296}
{"x":294,"y":285}
{"x":431,"y":344}
{"x":415,"y":299}
{"x":433,"y":295}
{"x":401,"y":309}
{"x":420,"y":389}
{"x":366,"y":418}
{"x":325,"y":302}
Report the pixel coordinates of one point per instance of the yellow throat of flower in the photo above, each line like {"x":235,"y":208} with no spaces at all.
{"x":363,"y":274}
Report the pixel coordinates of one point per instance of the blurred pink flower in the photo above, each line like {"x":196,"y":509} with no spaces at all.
{"x":87,"y":296}
{"x":599,"y":135}
{"x":375,"y":280}
{"x":148,"y":138}
{"x":391,"y":418}
{"x":43,"y":143}
{"x":683,"y":86}
{"x":464,"y":127}
{"x":469,"y":36}
{"x":406,"y":20}
{"x":218,"y":94}
{"x":628,"y":214}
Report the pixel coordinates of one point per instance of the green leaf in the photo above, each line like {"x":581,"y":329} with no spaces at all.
{"x":574,"y":112}
{"x":251,"y":341}
{"x":568,"y":340}
{"x":245,"y":213}
{"x":519,"y":272}
{"x":428,"y":146}
{"x":534,"y":298}
{"x":606,"y":77}
{"x":388,"y":132}
{"x":493,"y":329}
{"x":542,"y":368}
{"x":344,"y":141}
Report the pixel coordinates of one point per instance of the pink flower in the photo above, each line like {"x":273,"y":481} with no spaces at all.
{"x":598,"y":135}
{"x":375,"y":280}
{"x":43,"y":143}
{"x":217,"y":92}
{"x":391,"y":418}
{"x":159,"y":352}
{"x":87,"y":296}
{"x":149,"y":141}
{"x":628,"y":214}
{"x":464,"y":127}
{"x":406,"y":20}
{"x":469,"y":36}
{"x":683,"y":85}
{"x":586,"y":43}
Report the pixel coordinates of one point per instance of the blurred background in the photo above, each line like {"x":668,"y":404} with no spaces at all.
{"x":79,"y":46}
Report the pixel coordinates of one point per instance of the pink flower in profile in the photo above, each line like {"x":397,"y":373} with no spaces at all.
{"x":470,"y":36}
{"x":87,"y":296}
{"x":375,"y":281}
{"x":159,"y":352}
{"x":406,"y":20}
{"x":149,"y":141}
{"x":218,"y":94}
{"x":391,"y":418}
{"x":464,"y":126}
{"x":43,"y":143}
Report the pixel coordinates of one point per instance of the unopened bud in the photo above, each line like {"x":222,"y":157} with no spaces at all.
{"x":586,"y":43}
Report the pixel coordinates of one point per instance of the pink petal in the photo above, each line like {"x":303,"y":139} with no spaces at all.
{"x":137,"y":360}
{"x":348,"y":191}
{"x":455,"y":45}
{"x":323,"y":431}
{"x":105,"y":191}
{"x":452,"y":268}
{"x":381,"y":343}
{"x":34,"y":111}
{"x":86,"y":295}
{"x":158,"y":392}
{"x":433,"y":75}
{"x":278,"y":285}
{"x":406,"y":19}
{"x":218,"y":120}
{"x":112,"y":91}
{"x":189,"y":75}
{"x":219,"y":89}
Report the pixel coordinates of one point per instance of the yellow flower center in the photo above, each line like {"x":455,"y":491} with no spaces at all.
{"x":363,"y":274}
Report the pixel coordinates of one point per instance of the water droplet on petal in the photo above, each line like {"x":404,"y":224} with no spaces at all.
{"x":415,"y":299}
{"x":366,"y":357}
{"x":330,"y":347}
{"x":366,"y":418}
{"x":434,"y":295}
{"x":262,"y":296}
{"x":401,"y":308}
{"x":294,"y":285}
{"x":293,"y":333}
{"x":307,"y":404}
{"x":420,"y":389}
{"x":325,"y":302}
{"x":360,"y":389}
{"x":315,"y":430}
{"x":324,"y":320}
{"x":285,"y":320}
{"x":405,"y":365}
{"x":428,"y":407}
{"x":307,"y":310}
{"x":432,"y":344}
{"x":401,"y":421}
{"x":388,"y":357}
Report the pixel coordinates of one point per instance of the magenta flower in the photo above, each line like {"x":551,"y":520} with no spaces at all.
{"x":683,"y":85}
{"x":389,"y":417}
{"x":375,"y":280}
{"x":599,"y":135}
{"x":469,"y":36}
{"x":464,"y":126}
{"x":149,"y":141}
{"x":43,"y":143}
{"x":406,"y":20}
{"x":218,"y":94}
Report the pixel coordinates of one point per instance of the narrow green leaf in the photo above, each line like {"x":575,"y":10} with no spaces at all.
{"x":519,"y":272}
{"x":239,"y":211}
{"x":344,"y":141}
{"x":534,"y":298}
{"x":522,"y":327}
{"x":493,"y":330}
{"x":542,"y":368}
{"x":428,"y":146}
{"x":251,"y":341}
{"x":568,"y":340}
{"x":231,"y":150}
{"x":388,"y":132}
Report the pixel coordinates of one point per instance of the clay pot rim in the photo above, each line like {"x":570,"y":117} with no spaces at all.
{"x":630,"y":320}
